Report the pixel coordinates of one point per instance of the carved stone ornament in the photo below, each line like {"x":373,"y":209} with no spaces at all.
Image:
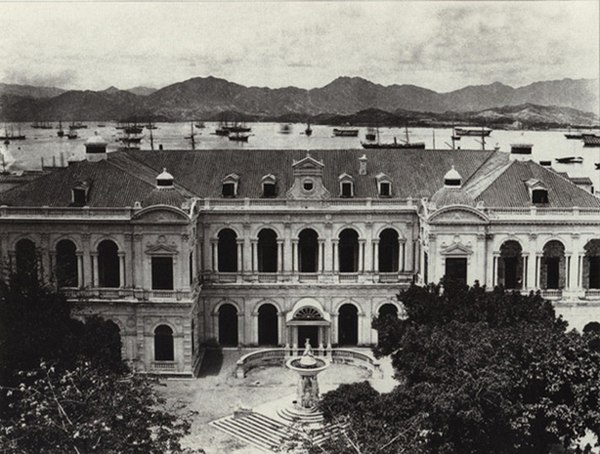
{"x":161,"y":247}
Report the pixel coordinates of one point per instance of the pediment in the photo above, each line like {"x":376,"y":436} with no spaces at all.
{"x":158,"y":214}
{"x":161,"y":247}
{"x":458,"y":215}
{"x":307,"y":163}
{"x":457,"y":249}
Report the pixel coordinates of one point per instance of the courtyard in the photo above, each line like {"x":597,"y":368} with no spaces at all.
{"x":218,"y":393}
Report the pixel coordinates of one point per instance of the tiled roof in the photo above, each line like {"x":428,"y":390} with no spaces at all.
{"x":414,"y":173}
{"x":509,"y":188}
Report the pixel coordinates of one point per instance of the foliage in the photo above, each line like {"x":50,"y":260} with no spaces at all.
{"x":86,"y":410}
{"x":478,"y":372}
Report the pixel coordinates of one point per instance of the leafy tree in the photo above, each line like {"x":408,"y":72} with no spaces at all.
{"x":478,"y":371}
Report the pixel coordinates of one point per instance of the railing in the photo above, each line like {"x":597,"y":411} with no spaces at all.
{"x":367,"y":277}
{"x":164,"y":366}
{"x":73,"y":212}
{"x":351,"y":277}
{"x":278,"y":356}
{"x":308,"y":277}
{"x":551,"y":293}
{"x":359,"y":203}
{"x":592,"y":294}
{"x":494,"y":212}
{"x":126,"y":293}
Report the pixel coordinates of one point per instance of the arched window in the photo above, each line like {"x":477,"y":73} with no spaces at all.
{"x":552,"y":274}
{"x":66,"y":264}
{"x":388,"y":310}
{"x":348,"y":251}
{"x":267,"y":251}
{"x":227,"y":250}
{"x":228,"y":325}
{"x":163,"y":344}
{"x":348,"y":325}
{"x":510,"y":265}
{"x":267,"y":325}
{"x":26,"y":257}
{"x":308,"y":251}
{"x":389,"y":248}
{"x":591,"y":265}
{"x":108,"y":264}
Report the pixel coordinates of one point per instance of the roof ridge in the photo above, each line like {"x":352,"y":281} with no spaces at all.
{"x":487,"y":180}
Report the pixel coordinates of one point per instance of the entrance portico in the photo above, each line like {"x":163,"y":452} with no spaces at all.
{"x":308,"y":320}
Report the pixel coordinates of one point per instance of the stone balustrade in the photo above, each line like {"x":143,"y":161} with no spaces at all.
{"x":367,"y":277}
{"x":126,"y":294}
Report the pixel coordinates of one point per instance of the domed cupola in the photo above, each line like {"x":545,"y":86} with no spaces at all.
{"x":165,"y":192}
{"x":95,"y":148}
{"x":452,"y":193}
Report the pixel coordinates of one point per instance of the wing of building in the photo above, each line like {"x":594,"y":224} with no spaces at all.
{"x":270,"y":247}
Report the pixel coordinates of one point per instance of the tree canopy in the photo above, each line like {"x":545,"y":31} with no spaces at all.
{"x":477,"y":371}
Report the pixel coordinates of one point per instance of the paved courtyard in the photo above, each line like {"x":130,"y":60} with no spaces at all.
{"x":217,"y":393}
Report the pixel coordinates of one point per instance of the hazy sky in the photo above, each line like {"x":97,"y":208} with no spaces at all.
{"x":437,"y":45}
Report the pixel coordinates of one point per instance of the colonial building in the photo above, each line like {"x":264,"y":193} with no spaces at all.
{"x":270,"y":247}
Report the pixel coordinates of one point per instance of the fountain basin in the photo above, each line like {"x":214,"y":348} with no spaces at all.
{"x":295,"y":364}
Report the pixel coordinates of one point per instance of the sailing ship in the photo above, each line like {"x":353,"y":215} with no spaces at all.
{"x":130,"y":141}
{"x":345,"y":132}
{"x":41,"y":125}
{"x":591,"y":140}
{"x":239,"y":127}
{"x":395,"y":144}
{"x":200,"y":124}
{"x":192,"y":135}
{"x":570,"y":160}
{"x":61,"y":131}
{"x":150,"y":125}
{"x":133,"y":129}
{"x":72,"y":134}
{"x":9,"y":134}
{"x":573,"y":134}
{"x":472,"y":131}
{"x":77,"y":125}
{"x":239,"y":136}
{"x":285,"y":128}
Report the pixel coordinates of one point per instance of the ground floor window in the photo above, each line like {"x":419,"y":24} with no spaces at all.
{"x":348,"y":325}
{"x":456,"y":269}
{"x":163,"y":343}
{"x":267,"y":325}
{"x":228,"y":325}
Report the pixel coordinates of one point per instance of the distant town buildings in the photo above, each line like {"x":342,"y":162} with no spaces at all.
{"x":270,"y":247}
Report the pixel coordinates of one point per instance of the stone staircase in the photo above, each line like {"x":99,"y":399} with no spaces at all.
{"x":270,"y":435}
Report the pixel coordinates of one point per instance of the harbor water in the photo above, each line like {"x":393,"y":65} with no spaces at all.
{"x":44,"y":143}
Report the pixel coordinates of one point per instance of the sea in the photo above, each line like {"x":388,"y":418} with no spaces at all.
{"x":45,"y":144}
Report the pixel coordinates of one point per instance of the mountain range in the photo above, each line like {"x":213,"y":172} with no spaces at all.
{"x":209,"y":97}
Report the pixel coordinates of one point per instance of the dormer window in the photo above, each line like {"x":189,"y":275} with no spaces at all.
{"x":269,"y":188}
{"x":346,"y":185}
{"x":384,"y":185}
{"x":539,"y":196}
{"x":230,"y":185}
{"x":79,"y":194}
{"x":308,"y":185}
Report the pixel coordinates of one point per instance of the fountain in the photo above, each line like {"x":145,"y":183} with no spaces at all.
{"x":307,"y":367}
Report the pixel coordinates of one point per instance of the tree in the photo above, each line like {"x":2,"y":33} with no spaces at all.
{"x":478,"y":372}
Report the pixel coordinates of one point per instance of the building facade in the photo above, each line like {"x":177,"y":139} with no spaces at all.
{"x":270,"y":247}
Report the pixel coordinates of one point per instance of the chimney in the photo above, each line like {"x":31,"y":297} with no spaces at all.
{"x":362,"y":169}
{"x":521,"y":151}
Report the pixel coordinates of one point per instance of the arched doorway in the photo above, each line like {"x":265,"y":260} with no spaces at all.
{"x":26,"y":258}
{"x":66,"y":264}
{"x":552,"y":273}
{"x":348,"y":251}
{"x":227,"y":251}
{"x":388,"y":310}
{"x":267,"y":251}
{"x":591,"y":265}
{"x":348,"y":325}
{"x":510,"y":265}
{"x":267,"y":325}
{"x":389,"y":248}
{"x":228,"y":325}
{"x":308,"y":251}
{"x":108,"y":264}
{"x":163,"y":343}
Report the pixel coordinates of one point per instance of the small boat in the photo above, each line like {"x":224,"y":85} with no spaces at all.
{"x":133,"y":129}
{"x":239,"y":137}
{"x":200,"y":124}
{"x":238,"y":127}
{"x":308,"y":130}
{"x":101,"y":125}
{"x":395,"y":144}
{"x":372,"y":134}
{"x":77,"y":125}
{"x":220,"y":131}
{"x":285,"y":129}
{"x":41,"y":125}
{"x":345,"y":132}
{"x":472,"y":131}
{"x":573,"y":135}
{"x":150,"y":125}
{"x":597,"y":165}
{"x":591,"y":140}
{"x":61,"y":131}
{"x":570,"y":160}
{"x":546,"y":163}
{"x":72,"y":134}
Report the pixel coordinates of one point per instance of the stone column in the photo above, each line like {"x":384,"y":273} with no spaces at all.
{"x":254,"y":251}
{"x":280,"y":252}
{"x":80,"y":277}
{"x":295,"y":260}
{"x":240,"y":255}
{"x":361,"y":256}
{"x":247,"y":255}
{"x":402,"y":256}
{"x":328,"y":253}
{"x":287,"y":250}
{"x":122,"y":282}
{"x":95,"y":274}
{"x":321,"y":267}
{"x":214,"y":255}
{"x":335,"y":247}
{"x":281,"y":339}
{"x":376,"y":255}
{"x":495,"y":282}
{"x":538,"y":263}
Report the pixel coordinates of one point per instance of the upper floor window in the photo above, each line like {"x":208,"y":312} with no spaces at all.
{"x":384,"y":185}
{"x":346,"y":185}
{"x":79,"y":194}
{"x":162,"y":273}
{"x":269,"y":189}
{"x":230,"y":185}
{"x":539,"y":196}
{"x":308,"y":185}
